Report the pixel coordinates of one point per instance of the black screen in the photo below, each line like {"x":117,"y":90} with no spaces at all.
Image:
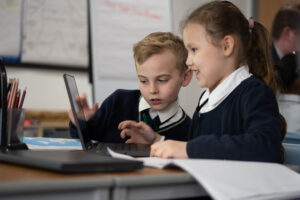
{"x":3,"y":105}
{"x":78,"y":112}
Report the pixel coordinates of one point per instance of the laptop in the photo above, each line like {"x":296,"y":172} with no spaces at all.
{"x":136,"y":150}
{"x":64,"y":161}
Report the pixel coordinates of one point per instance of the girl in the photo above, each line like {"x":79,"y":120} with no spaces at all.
{"x":237,"y":117}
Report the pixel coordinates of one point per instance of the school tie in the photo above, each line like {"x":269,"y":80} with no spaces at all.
{"x":154,"y":123}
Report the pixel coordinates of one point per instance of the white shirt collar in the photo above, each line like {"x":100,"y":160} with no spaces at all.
{"x":164,"y":115}
{"x":279,"y":53}
{"x":224,"y":89}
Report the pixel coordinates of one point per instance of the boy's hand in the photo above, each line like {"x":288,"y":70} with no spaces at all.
{"x":139,"y":132}
{"x":169,"y":149}
{"x":86,"y":113}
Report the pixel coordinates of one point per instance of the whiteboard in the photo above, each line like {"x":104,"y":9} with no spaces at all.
{"x":10,"y":31}
{"x":116,"y":25}
{"x":55,"y":32}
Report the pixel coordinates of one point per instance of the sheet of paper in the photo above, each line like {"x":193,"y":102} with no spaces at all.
{"x":148,"y":161}
{"x":235,"y":180}
{"x":230,"y":180}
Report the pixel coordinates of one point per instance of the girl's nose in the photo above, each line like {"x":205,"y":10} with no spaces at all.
{"x":189,"y":62}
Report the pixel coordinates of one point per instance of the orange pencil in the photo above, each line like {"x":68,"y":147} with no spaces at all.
{"x":14,"y":92}
{"x":13,"y":85}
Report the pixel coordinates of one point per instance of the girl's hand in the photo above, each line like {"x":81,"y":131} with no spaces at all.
{"x":86,"y":112}
{"x":169,"y":149}
{"x":139,"y":132}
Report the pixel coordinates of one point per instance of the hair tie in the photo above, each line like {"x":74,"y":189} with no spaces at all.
{"x":251,"y":24}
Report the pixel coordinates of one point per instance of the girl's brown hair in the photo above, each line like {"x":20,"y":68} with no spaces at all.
{"x":156,"y":43}
{"x":221,"y":18}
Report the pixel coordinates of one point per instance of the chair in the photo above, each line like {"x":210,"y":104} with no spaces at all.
{"x":292,"y":138}
{"x":292,"y":153}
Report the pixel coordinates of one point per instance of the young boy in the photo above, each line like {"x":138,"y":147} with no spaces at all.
{"x":161,"y":69}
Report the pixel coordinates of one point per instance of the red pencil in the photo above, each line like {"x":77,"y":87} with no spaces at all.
{"x":17,"y":99}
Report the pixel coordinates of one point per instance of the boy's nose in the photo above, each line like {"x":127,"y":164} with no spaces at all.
{"x":153,"y":88}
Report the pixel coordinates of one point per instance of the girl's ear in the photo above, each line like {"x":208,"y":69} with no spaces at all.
{"x":228,"y":45}
{"x":188,"y":75}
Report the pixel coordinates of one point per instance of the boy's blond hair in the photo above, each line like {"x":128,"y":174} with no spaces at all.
{"x":156,"y":43}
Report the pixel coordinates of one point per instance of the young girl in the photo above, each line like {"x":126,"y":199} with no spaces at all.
{"x":237,"y":117}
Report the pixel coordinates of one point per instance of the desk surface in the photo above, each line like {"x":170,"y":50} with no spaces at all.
{"x":17,"y":181}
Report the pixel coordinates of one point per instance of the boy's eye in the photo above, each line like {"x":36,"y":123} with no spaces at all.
{"x":162,"y":80}
{"x":143,"y":81}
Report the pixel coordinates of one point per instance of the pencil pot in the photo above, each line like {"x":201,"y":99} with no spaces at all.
{"x":15,"y":127}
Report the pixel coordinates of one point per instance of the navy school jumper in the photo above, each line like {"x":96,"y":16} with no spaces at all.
{"x":245,"y":126}
{"x":123,"y":105}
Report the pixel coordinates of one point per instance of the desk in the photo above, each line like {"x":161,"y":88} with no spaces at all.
{"x":17,"y":182}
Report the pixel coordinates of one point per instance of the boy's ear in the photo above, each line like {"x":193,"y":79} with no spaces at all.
{"x":228,"y":45}
{"x":188,"y":75}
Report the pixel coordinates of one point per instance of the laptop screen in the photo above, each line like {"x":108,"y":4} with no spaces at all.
{"x":78,"y":112}
{"x":3,"y":105}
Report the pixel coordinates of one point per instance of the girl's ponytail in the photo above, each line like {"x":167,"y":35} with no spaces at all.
{"x":259,"y":61}
{"x":258,"y":55}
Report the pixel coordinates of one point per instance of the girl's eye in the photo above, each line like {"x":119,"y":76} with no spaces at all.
{"x":194,"y":50}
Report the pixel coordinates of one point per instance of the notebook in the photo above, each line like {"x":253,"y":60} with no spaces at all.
{"x":136,"y":150}
{"x":65,"y":161}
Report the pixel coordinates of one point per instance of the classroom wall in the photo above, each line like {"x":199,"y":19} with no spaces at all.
{"x":46,"y":89}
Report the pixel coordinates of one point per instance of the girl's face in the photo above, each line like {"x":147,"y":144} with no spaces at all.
{"x":204,"y":58}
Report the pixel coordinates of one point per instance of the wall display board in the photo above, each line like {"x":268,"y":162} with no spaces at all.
{"x":46,"y":32}
{"x":116,"y":25}
{"x":10,"y":28}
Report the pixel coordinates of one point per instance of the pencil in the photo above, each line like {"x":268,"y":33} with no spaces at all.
{"x":22,"y":98}
{"x":16,"y":105}
{"x":13,"y":93}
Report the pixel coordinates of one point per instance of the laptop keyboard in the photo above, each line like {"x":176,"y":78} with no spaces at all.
{"x":116,"y":146}
{"x":101,"y":148}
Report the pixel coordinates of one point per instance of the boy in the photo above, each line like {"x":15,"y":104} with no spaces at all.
{"x":160,"y":65}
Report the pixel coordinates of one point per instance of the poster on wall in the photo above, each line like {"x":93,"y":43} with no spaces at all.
{"x":10,"y":31}
{"x":116,"y":26}
{"x":55,"y":32}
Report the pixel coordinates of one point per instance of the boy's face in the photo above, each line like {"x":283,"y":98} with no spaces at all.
{"x":160,"y":80}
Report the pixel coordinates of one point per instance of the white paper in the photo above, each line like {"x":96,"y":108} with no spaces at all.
{"x":235,"y":180}
{"x":149,"y":162}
